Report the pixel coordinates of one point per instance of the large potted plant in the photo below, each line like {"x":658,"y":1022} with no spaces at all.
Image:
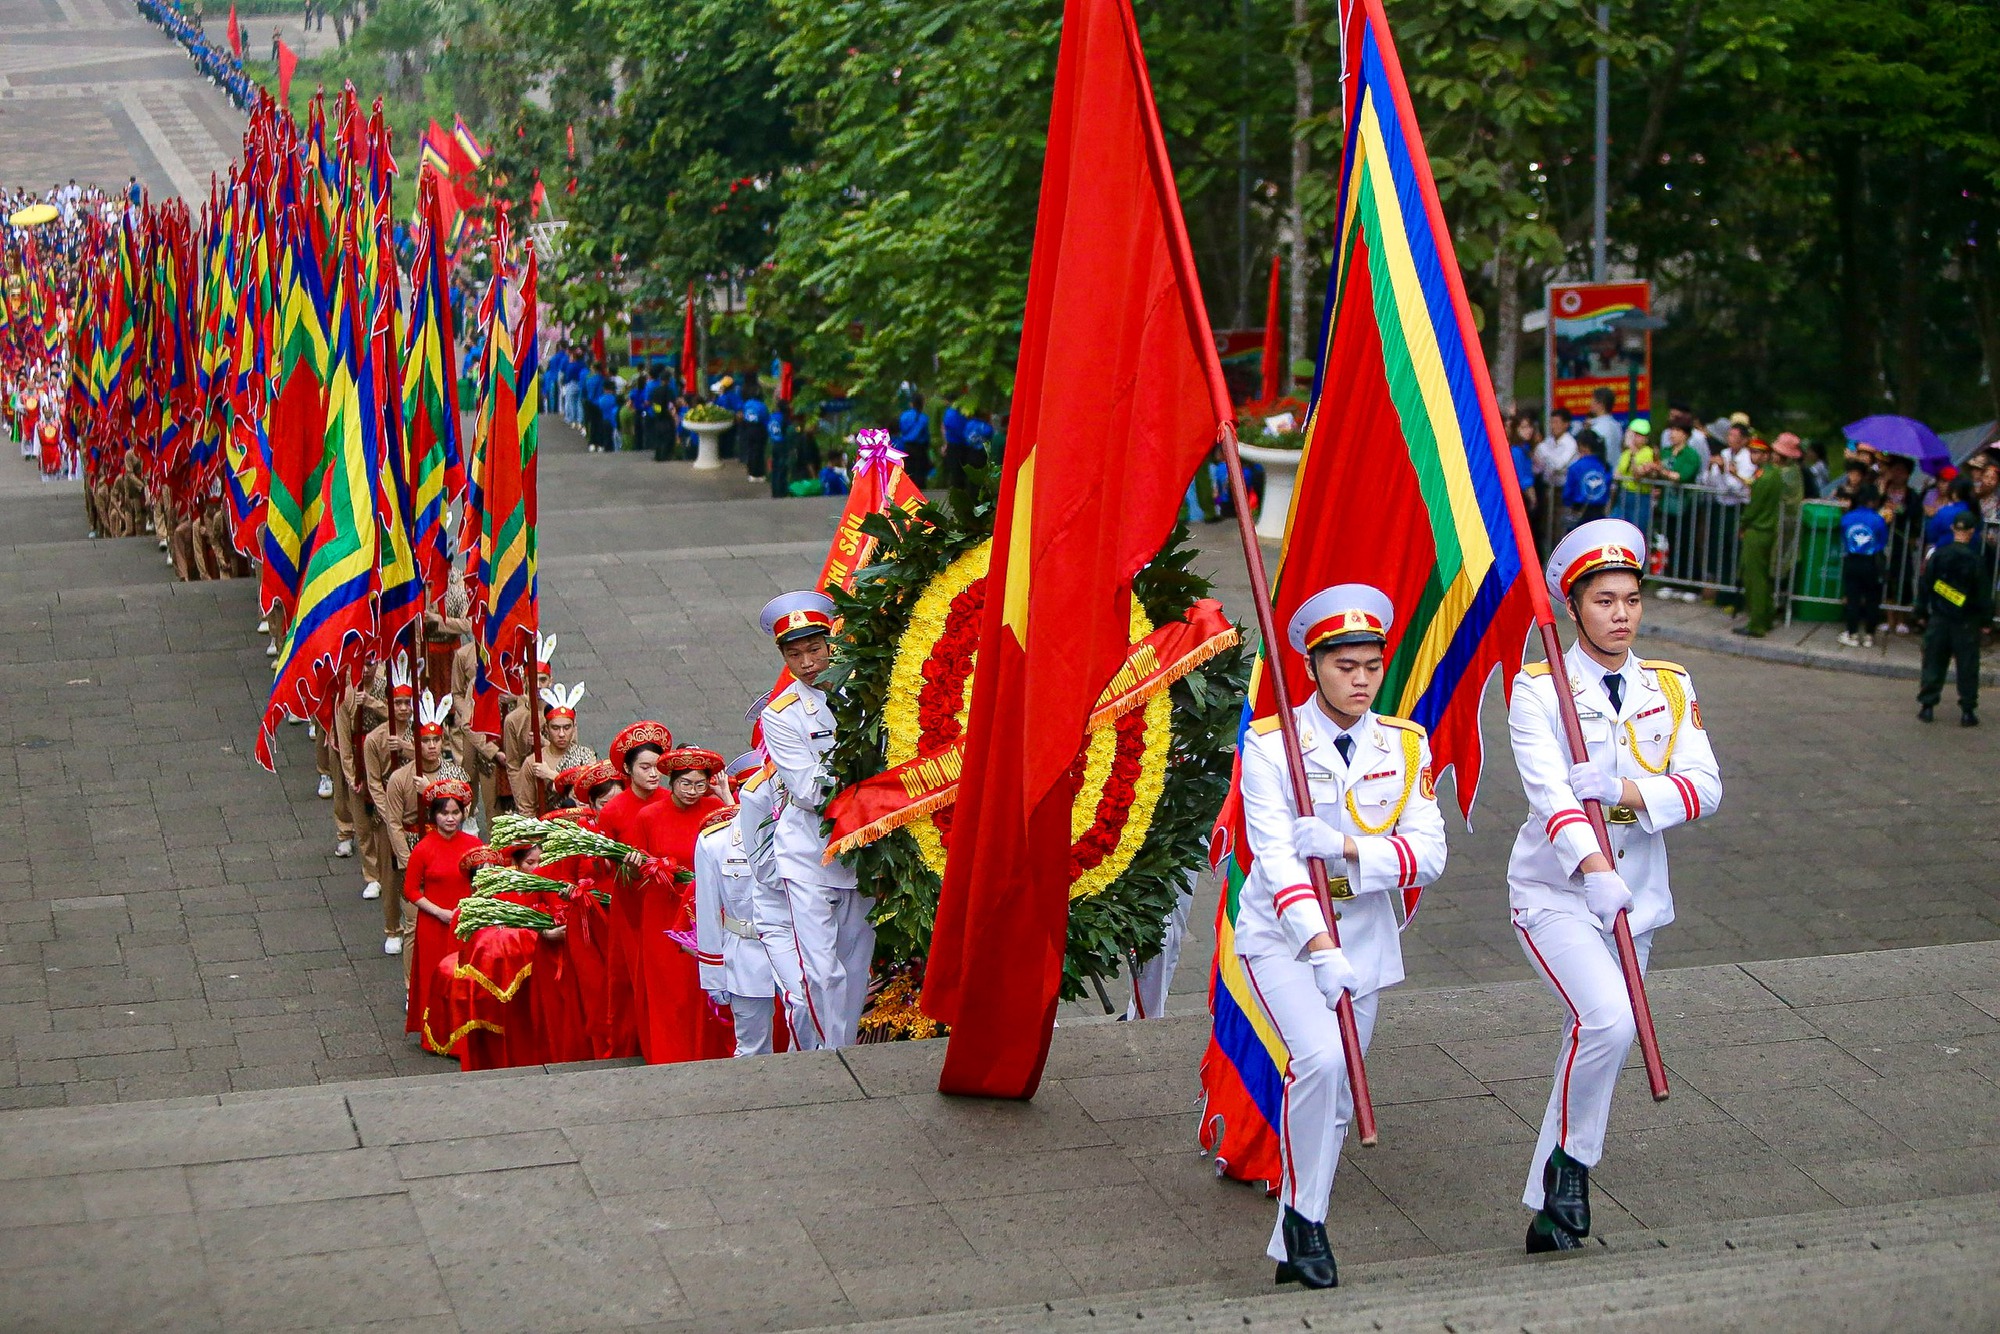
{"x":1276,"y":445}
{"x":708,"y":422}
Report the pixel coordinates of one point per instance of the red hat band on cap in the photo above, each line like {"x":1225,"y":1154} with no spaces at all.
{"x":1610,"y":556}
{"x":1344,"y":623}
{"x":794,"y":621}
{"x":430,"y":729}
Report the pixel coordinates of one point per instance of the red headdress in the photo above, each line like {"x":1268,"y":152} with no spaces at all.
{"x":483,"y":856}
{"x":648,"y":733}
{"x":447,"y":789}
{"x":561,"y":702}
{"x":690,"y":758}
{"x":722,"y":815}
{"x":432,"y":714}
{"x":587,"y":778}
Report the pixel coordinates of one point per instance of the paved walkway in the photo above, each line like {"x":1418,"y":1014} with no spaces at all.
{"x":804,"y":1190}
{"x":175,"y":925}
{"x":91,"y":92}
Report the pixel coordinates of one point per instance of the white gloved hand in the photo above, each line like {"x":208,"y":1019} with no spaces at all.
{"x":1591,"y":783}
{"x":1606,"y":895}
{"x":719,"y":998}
{"x":1314,"y":837}
{"x":1332,"y":974}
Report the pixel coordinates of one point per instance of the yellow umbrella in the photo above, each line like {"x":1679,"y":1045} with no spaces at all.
{"x":34,"y":215}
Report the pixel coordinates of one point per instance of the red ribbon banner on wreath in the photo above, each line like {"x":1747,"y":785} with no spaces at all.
{"x":929,"y":782}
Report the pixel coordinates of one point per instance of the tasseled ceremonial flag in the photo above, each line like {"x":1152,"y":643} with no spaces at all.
{"x":1406,"y":484}
{"x":430,"y":397}
{"x":507,"y":537}
{"x":400,"y":584}
{"x":1115,"y":332}
{"x":333,"y":632}
{"x":296,"y":423}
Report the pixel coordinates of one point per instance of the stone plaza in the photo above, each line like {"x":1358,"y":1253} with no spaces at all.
{"x":210,"y":1117}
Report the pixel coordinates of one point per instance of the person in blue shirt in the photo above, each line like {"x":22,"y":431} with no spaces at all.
{"x":1864,"y":541}
{"x":552,"y":377}
{"x":833,"y":477}
{"x":953,"y":424}
{"x":753,"y":413}
{"x":978,"y":438}
{"x":728,"y":396}
{"x":606,"y":405}
{"x":778,"y":442}
{"x":1938,"y":527}
{"x":1587,"y":488}
{"x":913,"y":436}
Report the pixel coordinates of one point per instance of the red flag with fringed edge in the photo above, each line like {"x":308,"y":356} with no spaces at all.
{"x":288,"y":61}
{"x":1274,"y":340}
{"x":1115,"y":332}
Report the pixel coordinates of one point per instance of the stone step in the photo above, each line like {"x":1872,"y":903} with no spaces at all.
{"x":1927,"y":1265}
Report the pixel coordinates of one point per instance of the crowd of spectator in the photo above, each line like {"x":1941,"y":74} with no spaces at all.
{"x":217,"y":63}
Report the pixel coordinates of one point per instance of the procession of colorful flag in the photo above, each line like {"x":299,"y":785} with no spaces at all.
{"x":264,"y":351}
{"x":1404,"y":485}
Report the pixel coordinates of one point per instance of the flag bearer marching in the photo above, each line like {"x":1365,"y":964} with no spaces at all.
{"x":1651,"y":767}
{"x":1379,"y":832}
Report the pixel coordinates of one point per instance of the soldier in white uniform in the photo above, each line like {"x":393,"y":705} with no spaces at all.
{"x":756,"y":816}
{"x":829,"y":927}
{"x":1651,"y":767}
{"x":735,"y":970}
{"x":1377,"y":828}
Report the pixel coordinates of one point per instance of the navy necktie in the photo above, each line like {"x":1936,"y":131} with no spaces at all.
{"x":1614,"y":690}
{"x":1345,"y":745}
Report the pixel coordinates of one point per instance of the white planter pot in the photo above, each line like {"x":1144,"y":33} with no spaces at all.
{"x":708,"y":443}
{"x":1281,"y":471}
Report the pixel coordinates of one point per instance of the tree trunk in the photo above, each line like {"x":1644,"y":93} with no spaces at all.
{"x":1855,"y":393}
{"x":1506,"y":334}
{"x":1912,"y":270}
{"x":1302,"y":110}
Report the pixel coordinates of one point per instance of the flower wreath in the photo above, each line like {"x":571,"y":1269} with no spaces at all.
{"x":1151,"y":782}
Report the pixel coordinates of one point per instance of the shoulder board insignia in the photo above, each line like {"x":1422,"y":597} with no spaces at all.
{"x":1404,"y":723}
{"x":1265,"y":726}
{"x":1534,"y":669}
{"x":755,"y":781}
{"x":1662,"y":665}
{"x":783,"y":702}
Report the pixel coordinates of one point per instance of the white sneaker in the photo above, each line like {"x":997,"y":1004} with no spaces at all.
{"x":372,"y":890}
{"x":344,"y":848}
{"x":1868,"y":641}
{"x":163,"y":544}
{"x":295,"y":721}
{"x":325,"y":787}
{"x":392,"y":944}
{"x":312,"y":733}
{"x":271,"y":650}
{"x":263,"y":627}
{"x":1848,"y":640}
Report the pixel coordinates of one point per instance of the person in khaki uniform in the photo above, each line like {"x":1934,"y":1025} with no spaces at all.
{"x":402,"y":812}
{"x":387,"y":745}
{"x":517,"y":731}
{"x":359,"y":710}
{"x":479,"y":754}
{"x":128,"y":498}
{"x":560,"y":749}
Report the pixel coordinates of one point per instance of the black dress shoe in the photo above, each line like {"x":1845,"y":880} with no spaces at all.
{"x":1308,"y":1258}
{"x":1566,"y":1192}
{"x":1926,"y":714}
{"x":1546,"y":1235}
{"x":1968,"y":719}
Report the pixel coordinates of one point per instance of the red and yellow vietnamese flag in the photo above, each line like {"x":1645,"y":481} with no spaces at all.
{"x":1115,"y":334}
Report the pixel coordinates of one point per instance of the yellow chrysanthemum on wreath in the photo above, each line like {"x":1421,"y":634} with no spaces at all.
{"x":930,"y":697}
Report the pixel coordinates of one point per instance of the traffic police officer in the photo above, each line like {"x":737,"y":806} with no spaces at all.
{"x":1376,"y":827}
{"x":1651,"y":767}
{"x":829,"y":927}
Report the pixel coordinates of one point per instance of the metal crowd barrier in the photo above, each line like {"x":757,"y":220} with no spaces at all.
{"x":1692,"y":540}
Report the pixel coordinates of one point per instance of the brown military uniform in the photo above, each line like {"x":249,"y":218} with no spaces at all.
{"x":528,"y":786}
{"x":350,"y":789}
{"x":480,"y":756}
{"x":380,"y":754}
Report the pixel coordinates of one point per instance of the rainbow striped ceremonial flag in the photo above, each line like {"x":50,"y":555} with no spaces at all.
{"x":1407,"y":483}
{"x":430,"y":398}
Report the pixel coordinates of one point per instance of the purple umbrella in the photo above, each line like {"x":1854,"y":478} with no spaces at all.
{"x":1902,"y":435}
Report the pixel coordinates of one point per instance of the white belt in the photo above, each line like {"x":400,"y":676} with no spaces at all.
{"x":736,"y":926}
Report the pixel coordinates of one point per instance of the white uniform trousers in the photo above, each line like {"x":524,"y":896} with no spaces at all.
{"x":834,"y":944}
{"x":1152,"y":978}
{"x":773,"y":906}
{"x":752,"y":1017}
{"x":1318,"y":1103}
{"x":1579,"y":961}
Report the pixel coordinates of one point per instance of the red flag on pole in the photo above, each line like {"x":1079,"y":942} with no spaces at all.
{"x":288,"y":61}
{"x":1274,"y":341}
{"x":1115,"y":330}
{"x":688,"y":377}
{"x":235,"y":32}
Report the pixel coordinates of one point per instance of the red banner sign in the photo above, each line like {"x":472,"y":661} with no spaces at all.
{"x":1585,"y":353}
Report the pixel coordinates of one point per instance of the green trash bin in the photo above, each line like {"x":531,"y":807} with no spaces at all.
{"x":1817,"y":572}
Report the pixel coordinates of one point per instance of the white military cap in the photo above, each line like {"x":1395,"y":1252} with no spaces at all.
{"x":1343,"y":614}
{"x":790,"y":616}
{"x":1601,"y":544}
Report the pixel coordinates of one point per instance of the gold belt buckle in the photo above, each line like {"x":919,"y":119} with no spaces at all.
{"x":1621,"y":815}
{"x":1337,"y":888}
